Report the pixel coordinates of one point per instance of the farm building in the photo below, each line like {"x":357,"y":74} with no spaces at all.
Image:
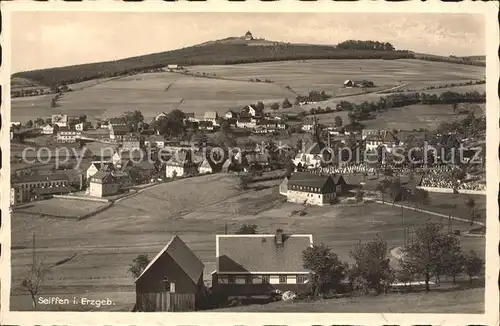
{"x":256,"y":264}
{"x":313,"y":189}
{"x":180,"y":164}
{"x":349,"y":83}
{"x":103,"y":184}
{"x":175,"y":269}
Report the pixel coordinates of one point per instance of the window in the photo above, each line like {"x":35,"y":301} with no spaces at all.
{"x":301,"y":279}
{"x":265,"y":279}
{"x":248,"y":279}
{"x":282,"y":279}
{"x":231,"y":279}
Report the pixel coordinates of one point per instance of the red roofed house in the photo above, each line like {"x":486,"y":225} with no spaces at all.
{"x":253,"y":264}
{"x":175,"y":269}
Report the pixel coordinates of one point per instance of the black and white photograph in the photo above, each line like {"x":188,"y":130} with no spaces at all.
{"x":250,"y":162}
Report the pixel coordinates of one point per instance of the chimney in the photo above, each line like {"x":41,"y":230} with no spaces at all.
{"x":279,"y":236}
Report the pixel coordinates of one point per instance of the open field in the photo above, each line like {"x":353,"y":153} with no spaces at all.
{"x":61,"y":207}
{"x":156,"y":92}
{"x":106,"y":243}
{"x":329,"y":75}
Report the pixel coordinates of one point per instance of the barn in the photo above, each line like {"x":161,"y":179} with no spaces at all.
{"x":175,"y":269}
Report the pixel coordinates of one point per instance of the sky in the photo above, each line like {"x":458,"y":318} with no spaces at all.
{"x":55,"y":39}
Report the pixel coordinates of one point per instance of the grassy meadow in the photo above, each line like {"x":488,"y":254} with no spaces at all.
{"x":104,"y":245}
{"x":153,"y":93}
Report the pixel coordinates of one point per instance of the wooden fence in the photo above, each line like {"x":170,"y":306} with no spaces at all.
{"x":165,"y":301}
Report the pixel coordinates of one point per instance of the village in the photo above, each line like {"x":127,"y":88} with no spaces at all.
{"x":135,"y":155}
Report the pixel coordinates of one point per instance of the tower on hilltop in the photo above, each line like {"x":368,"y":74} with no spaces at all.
{"x":248,"y":36}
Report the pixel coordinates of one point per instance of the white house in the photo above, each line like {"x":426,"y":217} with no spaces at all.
{"x":180,"y":165}
{"x":48,"y":130}
{"x":211,"y":116}
{"x":205,"y":167}
{"x":97,"y":166}
{"x":79,"y":126}
{"x":103,"y":184}
{"x":313,"y":189}
{"x":246,"y":122}
{"x":60,"y":119}
{"x":307,"y":127}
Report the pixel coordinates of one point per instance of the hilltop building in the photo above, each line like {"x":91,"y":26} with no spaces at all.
{"x":248,"y":36}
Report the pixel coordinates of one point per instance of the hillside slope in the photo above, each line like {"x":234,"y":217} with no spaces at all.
{"x":211,"y":53}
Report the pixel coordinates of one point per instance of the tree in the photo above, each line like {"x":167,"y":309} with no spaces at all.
{"x":371,"y":269}
{"x":138,"y":265}
{"x":39,"y":122}
{"x":359,"y":195}
{"x":455,"y":106}
{"x":259,"y":106}
{"x":382,"y":187}
{"x":420,"y":197}
{"x":327,"y":269}
{"x":225,"y":126}
{"x":473,"y":265}
{"x":275,"y":106}
{"x":247,"y":229}
{"x":338,"y":121}
{"x":29,"y":124}
{"x":174,"y":174}
{"x":244,"y":181}
{"x":471,"y":205}
{"x":454,"y":261}
{"x":36,"y":277}
{"x":286,"y":104}
{"x":424,"y":256}
{"x":83,"y":118}
{"x":133,"y":118}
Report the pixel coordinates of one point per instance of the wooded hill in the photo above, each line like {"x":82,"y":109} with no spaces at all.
{"x":215,"y":53}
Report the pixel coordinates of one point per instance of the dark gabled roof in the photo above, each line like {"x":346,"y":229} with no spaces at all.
{"x":180,"y":158}
{"x":306,"y":179}
{"x":103,"y":165}
{"x":260,"y":253}
{"x":103,"y":176}
{"x":183,"y":256}
{"x":145,"y":165}
{"x":117,"y":121}
{"x":122,"y":129}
